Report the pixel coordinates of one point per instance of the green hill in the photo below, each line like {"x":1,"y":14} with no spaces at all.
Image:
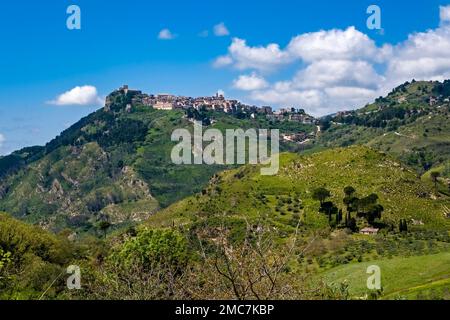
{"x":244,"y":194}
{"x":411,"y":123}
{"x":112,"y":165}
{"x":115,"y":163}
{"x":240,"y":204}
{"x":32,"y":261}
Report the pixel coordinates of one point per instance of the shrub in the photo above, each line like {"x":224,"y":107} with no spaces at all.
{"x":153,"y":247}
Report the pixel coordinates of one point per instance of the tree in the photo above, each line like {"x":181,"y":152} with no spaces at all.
{"x":349,"y":191}
{"x":365,"y":204}
{"x":352,"y":224}
{"x":321,"y":194}
{"x":256,"y":269}
{"x":347,"y":218}
{"x":403,"y":226}
{"x":339,"y":217}
{"x":372,"y":198}
{"x":374,"y":212}
{"x":350,"y":199}
{"x":350,"y":202}
{"x":5,"y":260}
{"x":368,"y":208}
{"x":434,"y":176}
{"x":154,"y":246}
{"x":104,"y":226}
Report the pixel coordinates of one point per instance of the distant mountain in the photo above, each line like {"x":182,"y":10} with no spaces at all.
{"x":411,"y":123}
{"x":113,"y":165}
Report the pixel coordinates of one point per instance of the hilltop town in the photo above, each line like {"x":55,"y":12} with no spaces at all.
{"x":214,"y":103}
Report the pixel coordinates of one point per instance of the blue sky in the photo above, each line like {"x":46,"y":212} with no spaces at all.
{"x":118,"y":43}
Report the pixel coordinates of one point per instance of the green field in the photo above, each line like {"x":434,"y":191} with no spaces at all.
{"x":401,"y":278}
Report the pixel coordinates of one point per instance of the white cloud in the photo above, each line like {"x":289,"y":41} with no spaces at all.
{"x":309,"y":47}
{"x":341,"y":69}
{"x":444,"y":13}
{"x":260,"y":58}
{"x":223,"y":61}
{"x":166,"y":34}
{"x":423,"y":56}
{"x":2,"y":139}
{"x":220,"y":30}
{"x":334,"y":44}
{"x":250,"y":82}
{"x":326,"y":73}
{"x":337,"y":70}
{"x":314,"y":99}
{"x":81,"y":96}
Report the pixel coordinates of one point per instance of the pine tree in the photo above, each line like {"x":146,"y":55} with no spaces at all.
{"x":403,"y":226}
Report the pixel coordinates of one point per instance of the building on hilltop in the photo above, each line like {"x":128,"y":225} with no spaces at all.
{"x":369,"y":231}
{"x":126,"y":90}
{"x":265,"y":110}
{"x":164,"y":105}
{"x":433,"y":100}
{"x":218,"y":103}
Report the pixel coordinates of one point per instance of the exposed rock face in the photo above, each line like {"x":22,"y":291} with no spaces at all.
{"x":77,"y":184}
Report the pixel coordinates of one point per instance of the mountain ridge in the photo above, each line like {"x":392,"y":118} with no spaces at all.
{"x":114,"y":164}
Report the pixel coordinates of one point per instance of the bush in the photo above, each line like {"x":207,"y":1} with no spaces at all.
{"x":154,"y":247}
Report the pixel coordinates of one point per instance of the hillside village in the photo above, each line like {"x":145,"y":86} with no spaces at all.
{"x":218,"y":103}
{"x":215,"y":103}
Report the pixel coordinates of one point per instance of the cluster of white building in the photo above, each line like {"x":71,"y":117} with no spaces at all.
{"x":216,"y":103}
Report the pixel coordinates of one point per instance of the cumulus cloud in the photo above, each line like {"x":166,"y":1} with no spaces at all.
{"x":223,"y":61}
{"x":422,"y":56}
{"x":326,"y":73}
{"x":312,"y":98}
{"x":80,"y":96}
{"x":250,"y":82}
{"x":340,"y":69}
{"x":261,"y":58}
{"x":166,"y":34}
{"x":444,"y":14}
{"x":221,"y":30}
{"x":334,"y":44}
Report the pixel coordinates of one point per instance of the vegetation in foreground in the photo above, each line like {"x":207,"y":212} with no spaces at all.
{"x":247,"y":236}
